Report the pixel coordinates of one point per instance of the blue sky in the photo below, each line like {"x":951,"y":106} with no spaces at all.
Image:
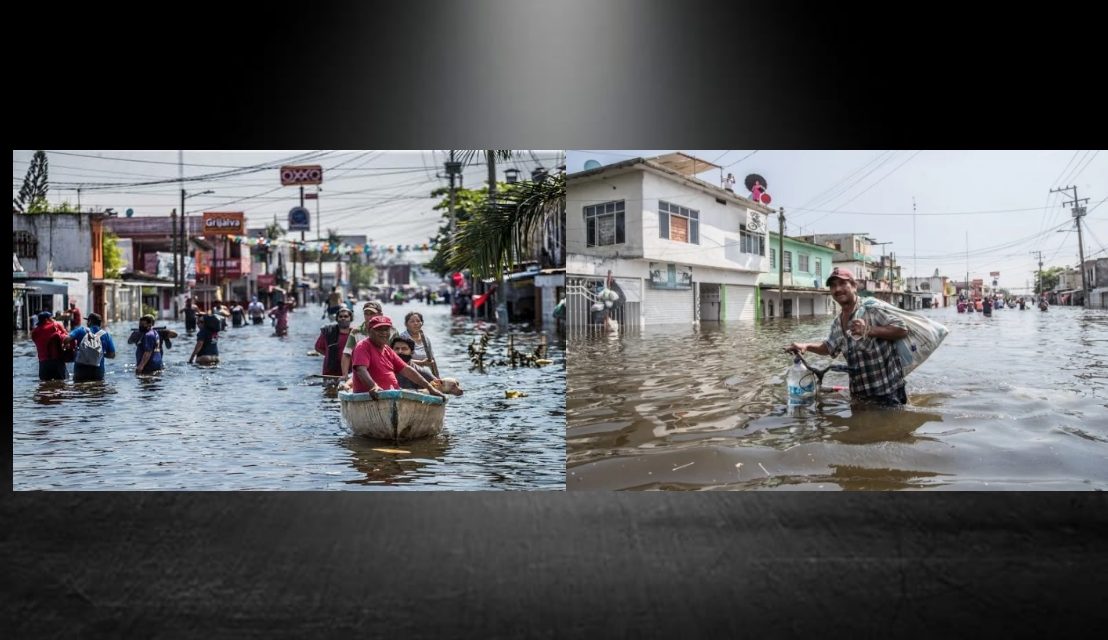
{"x":1001,"y":199}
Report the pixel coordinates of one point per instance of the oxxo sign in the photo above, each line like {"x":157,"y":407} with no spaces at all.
{"x":223,"y":223}
{"x":301,"y":174}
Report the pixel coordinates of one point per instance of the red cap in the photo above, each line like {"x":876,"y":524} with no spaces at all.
{"x":379,"y":321}
{"x":840,"y":273}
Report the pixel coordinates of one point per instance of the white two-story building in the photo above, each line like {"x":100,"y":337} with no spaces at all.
{"x":681,"y":250}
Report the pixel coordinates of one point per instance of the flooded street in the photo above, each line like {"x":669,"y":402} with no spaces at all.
{"x":1018,"y":401}
{"x":260,"y":421}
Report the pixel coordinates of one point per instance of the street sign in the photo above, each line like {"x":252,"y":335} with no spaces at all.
{"x":223,"y":223}
{"x":301,"y":174}
{"x":299,"y":218}
{"x":311,"y":196}
{"x":994,"y":274}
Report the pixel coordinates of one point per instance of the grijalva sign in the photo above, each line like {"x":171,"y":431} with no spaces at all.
{"x":221,"y":223}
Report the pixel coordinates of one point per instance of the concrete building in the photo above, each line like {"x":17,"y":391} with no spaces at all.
{"x":680,"y":250}
{"x":929,"y":292}
{"x":805,"y":268}
{"x":1096,"y":275}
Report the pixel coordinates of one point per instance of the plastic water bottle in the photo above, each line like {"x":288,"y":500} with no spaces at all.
{"x":802,"y":385}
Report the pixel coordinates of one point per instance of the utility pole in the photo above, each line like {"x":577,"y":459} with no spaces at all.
{"x":781,"y":262}
{"x":179,"y":281}
{"x":501,"y":297}
{"x":1078,"y":212}
{"x":453,"y":169}
{"x":319,"y":253}
{"x":300,"y":249}
{"x":1039,"y":254}
{"x":915,"y":258}
{"x":176,"y":269}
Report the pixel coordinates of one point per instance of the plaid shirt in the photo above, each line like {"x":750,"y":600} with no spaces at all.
{"x":874,"y":364}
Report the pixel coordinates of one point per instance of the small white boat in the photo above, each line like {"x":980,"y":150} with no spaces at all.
{"x":397,"y":414}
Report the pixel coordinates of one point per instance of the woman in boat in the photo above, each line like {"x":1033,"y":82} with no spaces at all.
{"x":422,"y":355}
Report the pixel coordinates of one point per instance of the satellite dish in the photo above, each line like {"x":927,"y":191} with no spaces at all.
{"x":591,"y":164}
{"x":751,"y":179}
{"x":130,"y":212}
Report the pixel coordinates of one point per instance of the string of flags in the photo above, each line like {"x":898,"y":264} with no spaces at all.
{"x":340,"y":248}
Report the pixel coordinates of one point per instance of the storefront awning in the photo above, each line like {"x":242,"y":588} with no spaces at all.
{"x":45,"y":288}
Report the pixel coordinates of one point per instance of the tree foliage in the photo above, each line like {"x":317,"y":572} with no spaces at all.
{"x":1051,"y":275}
{"x":113,"y":255}
{"x":32,"y":195}
{"x":500,"y":233}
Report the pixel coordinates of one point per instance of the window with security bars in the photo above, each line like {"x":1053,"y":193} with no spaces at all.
{"x":802,"y":262}
{"x":604,"y":224}
{"x":751,"y":242}
{"x":787,"y":260}
{"x":678,"y":223}
{"x":25,"y":244}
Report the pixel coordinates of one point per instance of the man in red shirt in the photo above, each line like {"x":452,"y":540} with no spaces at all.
{"x":376,"y":364}
{"x":48,"y":336}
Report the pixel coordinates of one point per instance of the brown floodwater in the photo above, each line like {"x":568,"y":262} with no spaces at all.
{"x":1018,"y":401}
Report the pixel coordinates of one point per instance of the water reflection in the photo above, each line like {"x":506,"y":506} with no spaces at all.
{"x":389,"y":464}
{"x":1006,"y":402}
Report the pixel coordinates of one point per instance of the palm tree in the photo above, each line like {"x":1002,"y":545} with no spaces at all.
{"x":470,"y":156}
{"x":272,"y":232}
{"x":504,"y":229}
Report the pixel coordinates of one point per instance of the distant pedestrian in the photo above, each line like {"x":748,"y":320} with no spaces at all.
{"x":280,"y":315}
{"x":148,"y":343}
{"x":334,"y":302}
{"x":256,"y":310}
{"x":206,"y":350}
{"x":74,"y":316}
{"x":238,"y":315}
{"x":190,"y":316}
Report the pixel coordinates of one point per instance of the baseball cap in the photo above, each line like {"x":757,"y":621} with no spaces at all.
{"x":373,"y":304}
{"x":841,"y":274}
{"x":42,"y":315}
{"x":379,"y":321}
